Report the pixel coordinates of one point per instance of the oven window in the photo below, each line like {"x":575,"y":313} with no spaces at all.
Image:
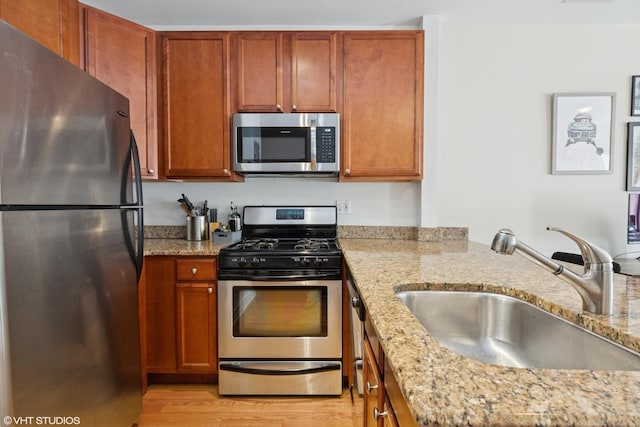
{"x":273,"y":144}
{"x":280,"y":311}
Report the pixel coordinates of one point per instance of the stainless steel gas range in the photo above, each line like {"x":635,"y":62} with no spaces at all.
{"x":280,"y":304}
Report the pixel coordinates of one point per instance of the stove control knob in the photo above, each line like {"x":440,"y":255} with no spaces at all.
{"x":317,"y":262}
{"x":305,"y":261}
{"x":255,"y":261}
{"x":242,"y":262}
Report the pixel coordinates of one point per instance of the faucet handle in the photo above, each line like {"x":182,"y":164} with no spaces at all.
{"x":591,"y":254}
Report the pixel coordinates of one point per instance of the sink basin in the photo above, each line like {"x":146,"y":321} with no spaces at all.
{"x":506,"y":331}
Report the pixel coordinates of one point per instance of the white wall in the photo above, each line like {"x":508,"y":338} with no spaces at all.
{"x":371,"y":203}
{"x":492,"y":91}
{"x":495,"y":131}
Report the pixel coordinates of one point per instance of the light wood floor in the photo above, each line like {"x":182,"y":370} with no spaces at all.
{"x":200,"y":406}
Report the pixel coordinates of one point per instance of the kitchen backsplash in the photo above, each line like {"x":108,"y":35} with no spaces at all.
{"x":425,"y":234}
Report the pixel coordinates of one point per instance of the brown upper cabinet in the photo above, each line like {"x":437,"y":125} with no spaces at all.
{"x":286,"y":71}
{"x":196,"y":106}
{"x":53,"y":23}
{"x":383,"y":104}
{"x":123,"y":55}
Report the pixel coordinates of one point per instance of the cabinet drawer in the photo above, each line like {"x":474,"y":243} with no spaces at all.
{"x":196,"y":269}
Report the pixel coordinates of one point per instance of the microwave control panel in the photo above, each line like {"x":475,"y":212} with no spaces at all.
{"x":326,"y":144}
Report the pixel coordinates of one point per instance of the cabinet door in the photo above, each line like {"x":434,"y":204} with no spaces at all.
{"x":313,"y":69}
{"x":160,"y":314}
{"x":122,"y":54}
{"x":196,"y":316}
{"x":286,"y":72}
{"x":389,"y":420}
{"x":196,"y":112}
{"x":398,"y":412}
{"x":258,"y":71}
{"x":383,"y":105}
{"x":53,"y":23}
{"x":374,"y":398}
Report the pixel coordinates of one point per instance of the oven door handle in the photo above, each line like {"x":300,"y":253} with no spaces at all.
{"x":315,"y":276}
{"x":323,"y":367}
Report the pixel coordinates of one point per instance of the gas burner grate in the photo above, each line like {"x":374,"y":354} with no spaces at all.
{"x":312,"y":245}
{"x":258,"y":244}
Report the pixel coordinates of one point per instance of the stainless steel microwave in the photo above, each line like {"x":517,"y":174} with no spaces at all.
{"x":286,"y":144}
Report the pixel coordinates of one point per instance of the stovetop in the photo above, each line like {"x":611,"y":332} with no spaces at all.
{"x":284,"y":242}
{"x":267,"y":246}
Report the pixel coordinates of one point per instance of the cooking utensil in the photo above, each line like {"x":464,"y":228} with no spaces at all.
{"x":189,"y":204}
{"x":235,"y":222}
{"x":205,"y":209}
{"x":186,"y":210}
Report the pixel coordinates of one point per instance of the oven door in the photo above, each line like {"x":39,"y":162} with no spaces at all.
{"x":299,"y":319}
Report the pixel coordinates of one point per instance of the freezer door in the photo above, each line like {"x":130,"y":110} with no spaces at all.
{"x":64,"y":136}
{"x":71,"y":318}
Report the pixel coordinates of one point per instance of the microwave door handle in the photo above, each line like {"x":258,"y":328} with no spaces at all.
{"x":312,"y":132}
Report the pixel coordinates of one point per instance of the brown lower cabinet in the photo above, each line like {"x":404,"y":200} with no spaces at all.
{"x":178,"y":317}
{"x":384,"y":404}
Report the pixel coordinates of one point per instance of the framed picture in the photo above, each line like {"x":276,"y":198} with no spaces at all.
{"x":635,"y":96}
{"x":633,"y":156}
{"x":582,"y":133}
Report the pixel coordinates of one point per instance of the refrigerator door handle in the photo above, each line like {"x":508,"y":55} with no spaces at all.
{"x":126,"y":170}
{"x":137,"y":256}
{"x":136,"y":169}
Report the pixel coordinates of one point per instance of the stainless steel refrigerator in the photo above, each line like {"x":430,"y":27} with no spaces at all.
{"x":69,"y":259}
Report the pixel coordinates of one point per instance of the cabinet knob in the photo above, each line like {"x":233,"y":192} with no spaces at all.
{"x":294,"y":107}
{"x":371,"y":387}
{"x":151,"y":171}
{"x":225,"y":171}
{"x":279,"y":107}
{"x":194,"y":270}
{"x":210,"y":290}
{"x":377,"y":414}
{"x":347,"y":171}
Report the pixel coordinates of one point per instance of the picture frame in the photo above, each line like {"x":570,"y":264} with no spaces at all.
{"x":633,"y":156}
{"x":635,"y":95}
{"x":582,"y":134}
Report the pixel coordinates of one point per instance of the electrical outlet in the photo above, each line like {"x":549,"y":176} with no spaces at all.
{"x":344,"y":207}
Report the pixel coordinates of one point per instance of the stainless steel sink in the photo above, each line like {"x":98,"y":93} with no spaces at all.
{"x":505,"y":331}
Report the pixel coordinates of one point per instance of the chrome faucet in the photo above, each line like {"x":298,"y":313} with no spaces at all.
{"x":595,"y":286}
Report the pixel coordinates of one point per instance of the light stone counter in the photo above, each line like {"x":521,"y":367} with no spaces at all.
{"x":181,"y":247}
{"x":443,"y":388}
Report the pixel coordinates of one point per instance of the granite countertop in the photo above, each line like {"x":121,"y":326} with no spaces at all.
{"x":181,"y":247}
{"x":444,"y":388}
